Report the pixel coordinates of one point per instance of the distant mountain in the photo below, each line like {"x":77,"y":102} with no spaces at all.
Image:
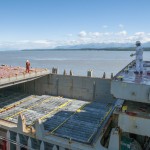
{"x":97,"y":46}
{"x":146,"y":44}
{"x":101,"y":45}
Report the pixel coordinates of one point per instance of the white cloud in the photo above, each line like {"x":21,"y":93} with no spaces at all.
{"x":82,"y":34}
{"x":82,"y":38}
{"x":131,"y":38}
{"x":123,"y":33}
{"x":146,"y":39}
{"x":70,"y":34}
{"x":139,"y":33}
{"x":24,"y":41}
{"x":42,"y":42}
{"x":139,"y":36}
{"x":108,"y":33}
{"x":94,"y":34}
{"x":105,"y":26}
{"x":121,"y":26}
{"x":26,"y":44}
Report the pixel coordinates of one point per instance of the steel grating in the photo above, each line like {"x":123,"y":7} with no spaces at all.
{"x":68,"y":118}
{"x":82,"y":125}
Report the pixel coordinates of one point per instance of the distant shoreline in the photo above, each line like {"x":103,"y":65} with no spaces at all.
{"x":89,"y":49}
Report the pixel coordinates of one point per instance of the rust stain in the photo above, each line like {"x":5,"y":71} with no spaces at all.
{"x":9,"y":71}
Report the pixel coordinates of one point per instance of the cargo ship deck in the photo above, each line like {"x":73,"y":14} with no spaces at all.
{"x":130,"y":86}
{"x":67,"y":118}
{"x":127,"y":74}
{"x":10,"y":75}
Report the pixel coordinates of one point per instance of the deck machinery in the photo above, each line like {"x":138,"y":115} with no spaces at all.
{"x":29,"y":120}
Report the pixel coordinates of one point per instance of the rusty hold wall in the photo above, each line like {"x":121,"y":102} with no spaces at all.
{"x":85,"y":88}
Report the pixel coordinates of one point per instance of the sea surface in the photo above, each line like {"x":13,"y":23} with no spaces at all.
{"x":77,"y":61}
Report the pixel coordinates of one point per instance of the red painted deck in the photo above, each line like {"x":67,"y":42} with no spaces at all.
{"x":9,"y":71}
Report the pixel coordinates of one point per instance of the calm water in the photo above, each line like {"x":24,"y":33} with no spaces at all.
{"x":77,"y":61}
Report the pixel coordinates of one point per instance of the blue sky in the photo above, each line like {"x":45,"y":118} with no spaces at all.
{"x":49,"y":23}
